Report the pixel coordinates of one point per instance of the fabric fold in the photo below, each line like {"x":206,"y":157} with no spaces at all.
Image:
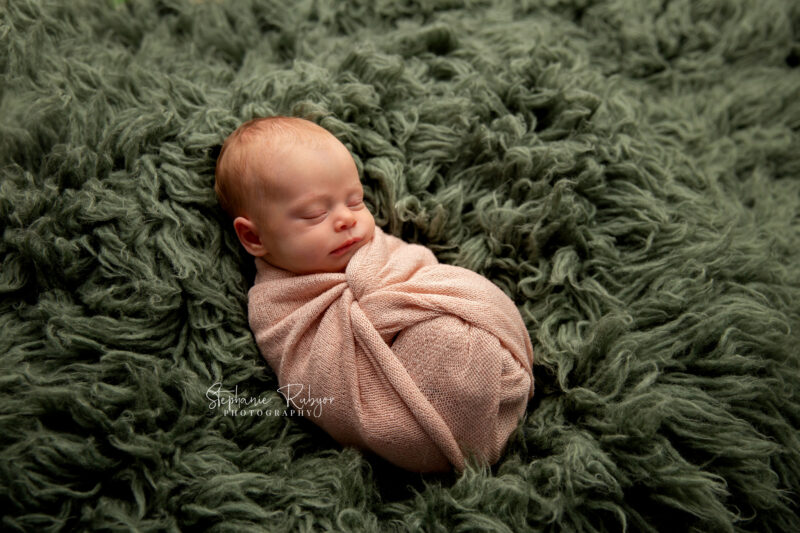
{"x":426,"y":363}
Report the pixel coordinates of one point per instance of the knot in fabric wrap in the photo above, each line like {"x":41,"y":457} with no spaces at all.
{"x":426,"y":363}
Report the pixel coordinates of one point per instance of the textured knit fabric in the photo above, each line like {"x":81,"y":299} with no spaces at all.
{"x":424,"y":362}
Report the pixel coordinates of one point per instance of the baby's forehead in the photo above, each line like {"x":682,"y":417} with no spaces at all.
{"x":299,"y":133}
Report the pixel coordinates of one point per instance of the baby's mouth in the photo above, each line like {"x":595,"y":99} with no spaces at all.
{"x":346,"y":246}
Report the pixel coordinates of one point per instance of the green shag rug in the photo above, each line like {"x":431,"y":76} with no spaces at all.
{"x":628,"y":171}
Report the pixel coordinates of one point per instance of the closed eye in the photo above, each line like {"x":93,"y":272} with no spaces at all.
{"x":313,"y":216}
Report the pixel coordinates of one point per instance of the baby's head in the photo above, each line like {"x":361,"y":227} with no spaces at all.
{"x":293,"y":192}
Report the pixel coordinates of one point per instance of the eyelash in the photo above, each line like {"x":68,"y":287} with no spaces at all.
{"x":316,"y":216}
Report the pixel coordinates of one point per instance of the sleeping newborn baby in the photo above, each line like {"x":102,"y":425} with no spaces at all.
{"x":422,"y":363}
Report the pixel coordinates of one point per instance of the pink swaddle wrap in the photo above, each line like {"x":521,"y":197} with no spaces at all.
{"x":425,"y":362}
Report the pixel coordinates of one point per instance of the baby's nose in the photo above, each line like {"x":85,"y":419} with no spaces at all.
{"x":344,"y":220}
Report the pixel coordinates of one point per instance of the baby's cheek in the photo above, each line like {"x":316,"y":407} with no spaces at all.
{"x":318,"y":247}
{"x":369,"y":222}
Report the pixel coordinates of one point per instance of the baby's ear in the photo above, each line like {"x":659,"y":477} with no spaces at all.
{"x":248,"y":236}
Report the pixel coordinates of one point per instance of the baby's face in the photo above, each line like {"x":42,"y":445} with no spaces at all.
{"x":313,"y":210}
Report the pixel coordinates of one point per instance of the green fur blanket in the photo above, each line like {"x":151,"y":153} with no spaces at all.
{"x":627,"y":171}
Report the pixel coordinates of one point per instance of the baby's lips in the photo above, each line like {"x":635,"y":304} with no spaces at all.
{"x":347,"y":243}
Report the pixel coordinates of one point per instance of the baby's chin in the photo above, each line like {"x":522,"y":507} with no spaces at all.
{"x":345,"y":258}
